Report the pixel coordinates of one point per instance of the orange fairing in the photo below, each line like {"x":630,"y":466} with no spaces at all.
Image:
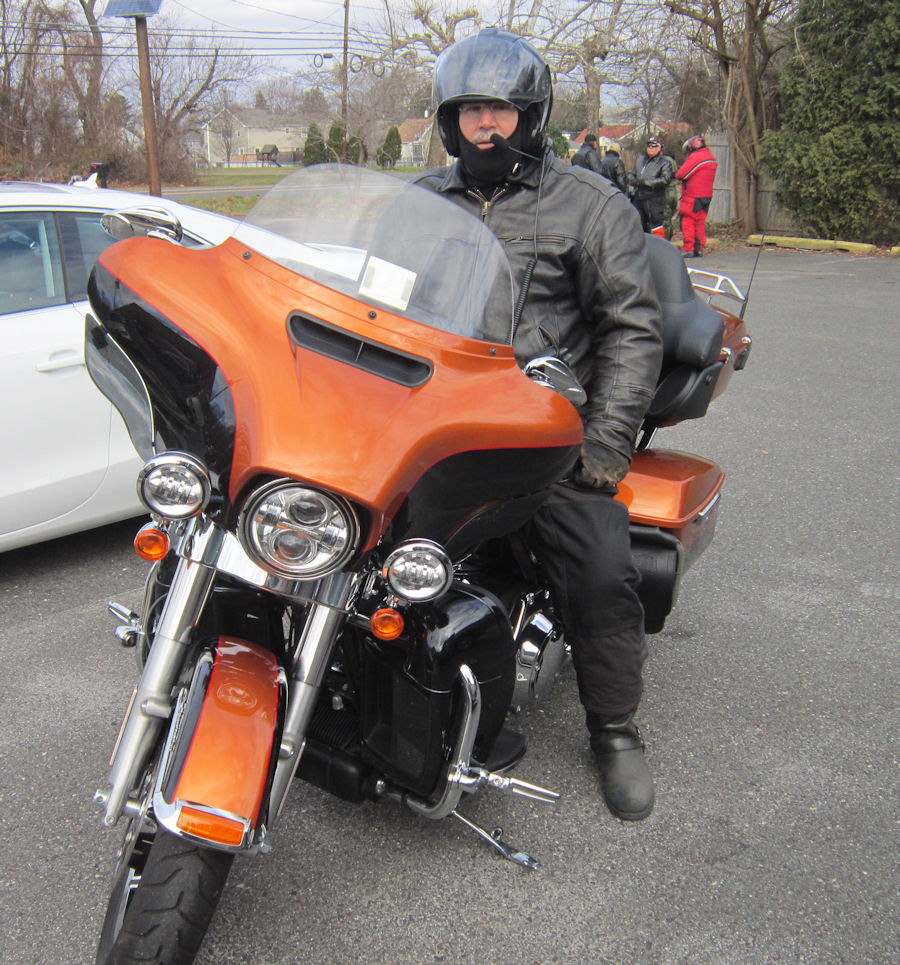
{"x":227,"y":764}
{"x":302,"y":414}
{"x":667,"y":488}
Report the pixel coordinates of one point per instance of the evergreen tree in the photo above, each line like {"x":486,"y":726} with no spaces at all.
{"x":336,"y":143}
{"x":314,"y":151}
{"x":558,"y":140}
{"x":390,"y":151}
{"x":835,"y":156}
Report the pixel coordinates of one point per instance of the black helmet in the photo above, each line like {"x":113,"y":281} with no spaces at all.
{"x":493,"y":65}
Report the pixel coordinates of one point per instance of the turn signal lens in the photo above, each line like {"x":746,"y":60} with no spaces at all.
{"x":212,"y":827}
{"x":151,"y":543}
{"x":387,"y":624}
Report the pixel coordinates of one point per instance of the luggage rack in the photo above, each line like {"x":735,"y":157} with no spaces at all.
{"x":715,"y":284}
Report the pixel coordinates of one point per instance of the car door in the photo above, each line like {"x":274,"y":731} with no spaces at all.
{"x":54,"y":434}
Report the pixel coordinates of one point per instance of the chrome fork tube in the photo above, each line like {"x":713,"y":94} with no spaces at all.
{"x":152,"y":702}
{"x":310,"y":663}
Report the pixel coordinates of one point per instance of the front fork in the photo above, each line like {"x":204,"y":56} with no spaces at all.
{"x":152,"y":701}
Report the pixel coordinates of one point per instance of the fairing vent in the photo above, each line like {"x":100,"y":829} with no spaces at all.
{"x":343,"y":346}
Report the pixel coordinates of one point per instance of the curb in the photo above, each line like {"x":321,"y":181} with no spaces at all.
{"x":816,"y":244}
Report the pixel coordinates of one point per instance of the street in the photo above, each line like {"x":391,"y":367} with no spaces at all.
{"x":770,"y":715}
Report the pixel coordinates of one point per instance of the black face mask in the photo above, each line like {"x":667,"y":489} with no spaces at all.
{"x":488,"y":169}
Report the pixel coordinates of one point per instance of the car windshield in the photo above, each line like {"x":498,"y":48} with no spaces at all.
{"x":388,"y":243}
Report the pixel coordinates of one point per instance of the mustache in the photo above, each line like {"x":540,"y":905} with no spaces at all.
{"x":482,"y":137}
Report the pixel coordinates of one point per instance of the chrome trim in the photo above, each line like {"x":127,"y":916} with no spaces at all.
{"x":187,"y":596}
{"x":309,"y":665}
{"x":716,"y":285}
{"x":461,"y":777}
{"x":204,"y":542}
{"x":461,"y":755}
{"x":703,"y":516}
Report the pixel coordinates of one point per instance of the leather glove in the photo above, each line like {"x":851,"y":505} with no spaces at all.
{"x":600,"y":467}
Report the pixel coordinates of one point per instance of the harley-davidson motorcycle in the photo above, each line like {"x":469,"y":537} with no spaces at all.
{"x":341,"y":454}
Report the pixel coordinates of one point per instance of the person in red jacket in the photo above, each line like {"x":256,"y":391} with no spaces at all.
{"x":696,"y":175}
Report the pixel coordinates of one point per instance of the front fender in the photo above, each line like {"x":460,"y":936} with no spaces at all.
{"x":218,"y":760}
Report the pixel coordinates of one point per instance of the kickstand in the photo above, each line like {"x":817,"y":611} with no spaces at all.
{"x":494,"y":839}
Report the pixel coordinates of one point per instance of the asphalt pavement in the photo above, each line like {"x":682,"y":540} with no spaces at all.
{"x":770,"y":715}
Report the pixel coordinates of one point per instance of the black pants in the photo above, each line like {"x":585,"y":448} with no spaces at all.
{"x":581,"y":538}
{"x":652,"y":210}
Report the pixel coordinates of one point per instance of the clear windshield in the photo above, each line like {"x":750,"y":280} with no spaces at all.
{"x":388,"y":243}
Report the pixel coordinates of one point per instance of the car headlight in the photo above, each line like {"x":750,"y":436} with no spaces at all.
{"x":418,"y":570}
{"x":174,"y":485}
{"x":297,"y":532}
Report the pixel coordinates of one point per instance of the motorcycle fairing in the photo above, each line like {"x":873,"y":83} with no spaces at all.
{"x":301,"y":413}
{"x":219,"y":757}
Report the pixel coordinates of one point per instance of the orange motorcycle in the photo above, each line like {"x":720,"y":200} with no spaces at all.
{"x":341,"y":452}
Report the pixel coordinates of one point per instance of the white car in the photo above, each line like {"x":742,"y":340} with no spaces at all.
{"x":66,"y":462}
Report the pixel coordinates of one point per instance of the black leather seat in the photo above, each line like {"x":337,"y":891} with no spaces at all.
{"x":692,"y":341}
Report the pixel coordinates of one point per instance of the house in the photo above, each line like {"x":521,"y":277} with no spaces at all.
{"x":247,"y":136}
{"x":415,"y":137}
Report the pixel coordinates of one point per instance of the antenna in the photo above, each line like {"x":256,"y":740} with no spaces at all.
{"x":762,"y":241}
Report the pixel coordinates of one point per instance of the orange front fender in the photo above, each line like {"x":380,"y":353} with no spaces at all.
{"x":218,"y":759}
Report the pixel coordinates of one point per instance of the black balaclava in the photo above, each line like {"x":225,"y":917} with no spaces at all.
{"x":486,"y":170}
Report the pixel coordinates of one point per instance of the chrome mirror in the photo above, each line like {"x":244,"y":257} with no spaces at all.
{"x":557,"y":375}
{"x":142,"y":222}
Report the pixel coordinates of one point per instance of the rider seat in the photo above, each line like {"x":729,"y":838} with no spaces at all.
{"x":692,"y":334}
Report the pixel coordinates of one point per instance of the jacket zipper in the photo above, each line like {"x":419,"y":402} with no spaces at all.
{"x":485,"y":202}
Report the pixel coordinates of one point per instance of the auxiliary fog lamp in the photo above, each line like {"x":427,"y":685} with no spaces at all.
{"x":174,"y":485}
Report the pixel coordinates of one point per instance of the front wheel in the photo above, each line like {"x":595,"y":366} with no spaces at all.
{"x":165,"y":893}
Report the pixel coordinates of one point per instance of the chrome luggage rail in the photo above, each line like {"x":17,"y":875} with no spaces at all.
{"x":713,"y":283}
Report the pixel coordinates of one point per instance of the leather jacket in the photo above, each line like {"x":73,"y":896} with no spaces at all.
{"x":591,"y":293}
{"x":612,"y":168}
{"x":650,"y":176}
{"x":587,"y":157}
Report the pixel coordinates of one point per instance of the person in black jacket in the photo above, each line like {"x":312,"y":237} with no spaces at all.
{"x":577,"y":253}
{"x":647,"y":183}
{"x":612,"y":168}
{"x":587,"y":156}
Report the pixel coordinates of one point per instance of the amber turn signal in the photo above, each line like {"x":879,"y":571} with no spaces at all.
{"x":211,"y":827}
{"x":387,"y":623}
{"x":151,"y":543}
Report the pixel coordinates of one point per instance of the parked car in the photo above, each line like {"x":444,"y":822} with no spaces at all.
{"x":66,"y":461}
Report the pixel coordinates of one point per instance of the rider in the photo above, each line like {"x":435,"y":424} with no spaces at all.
{"x":578,"y":258}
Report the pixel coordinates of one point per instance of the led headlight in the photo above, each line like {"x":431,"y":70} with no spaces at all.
{"x":418,"y":570}
{"x":174,"y":485}
{"x":297,"y":532}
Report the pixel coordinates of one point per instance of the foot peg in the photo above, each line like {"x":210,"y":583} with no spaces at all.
{"x":473,"y":778}
{"x":495,"y":841}
{"x":130,"y":630}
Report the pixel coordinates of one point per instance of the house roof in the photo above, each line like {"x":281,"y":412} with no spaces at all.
{"x":413,"y":128}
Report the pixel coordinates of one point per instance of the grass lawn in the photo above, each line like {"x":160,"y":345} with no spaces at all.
{"x":235,"y":205}
{"x":235,"y":177}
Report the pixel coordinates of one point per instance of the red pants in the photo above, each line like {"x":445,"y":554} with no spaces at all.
{"x":693,"y":213}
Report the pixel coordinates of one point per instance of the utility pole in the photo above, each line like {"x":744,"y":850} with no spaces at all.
{"x":344,"y":84}
{"x":140,"y":10}
{"x":147,"y":107}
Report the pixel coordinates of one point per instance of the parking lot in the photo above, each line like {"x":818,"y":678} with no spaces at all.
{"x":770,"y":715}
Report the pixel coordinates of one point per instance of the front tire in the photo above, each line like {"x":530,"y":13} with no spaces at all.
{"x":165,"y":893}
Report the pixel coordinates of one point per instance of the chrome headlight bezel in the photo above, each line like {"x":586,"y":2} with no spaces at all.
{"x":416,"y":553}
{"x":332,"y":539}
{"x":174,"y":485}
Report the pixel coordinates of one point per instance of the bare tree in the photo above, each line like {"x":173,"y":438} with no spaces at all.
{"x":743,"y":37}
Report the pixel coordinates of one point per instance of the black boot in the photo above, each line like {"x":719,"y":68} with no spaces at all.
{"x":625,"y":777}
{"x":698,"y":251}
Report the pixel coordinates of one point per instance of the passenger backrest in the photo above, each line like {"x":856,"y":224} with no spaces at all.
{"x":692,"y":334}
